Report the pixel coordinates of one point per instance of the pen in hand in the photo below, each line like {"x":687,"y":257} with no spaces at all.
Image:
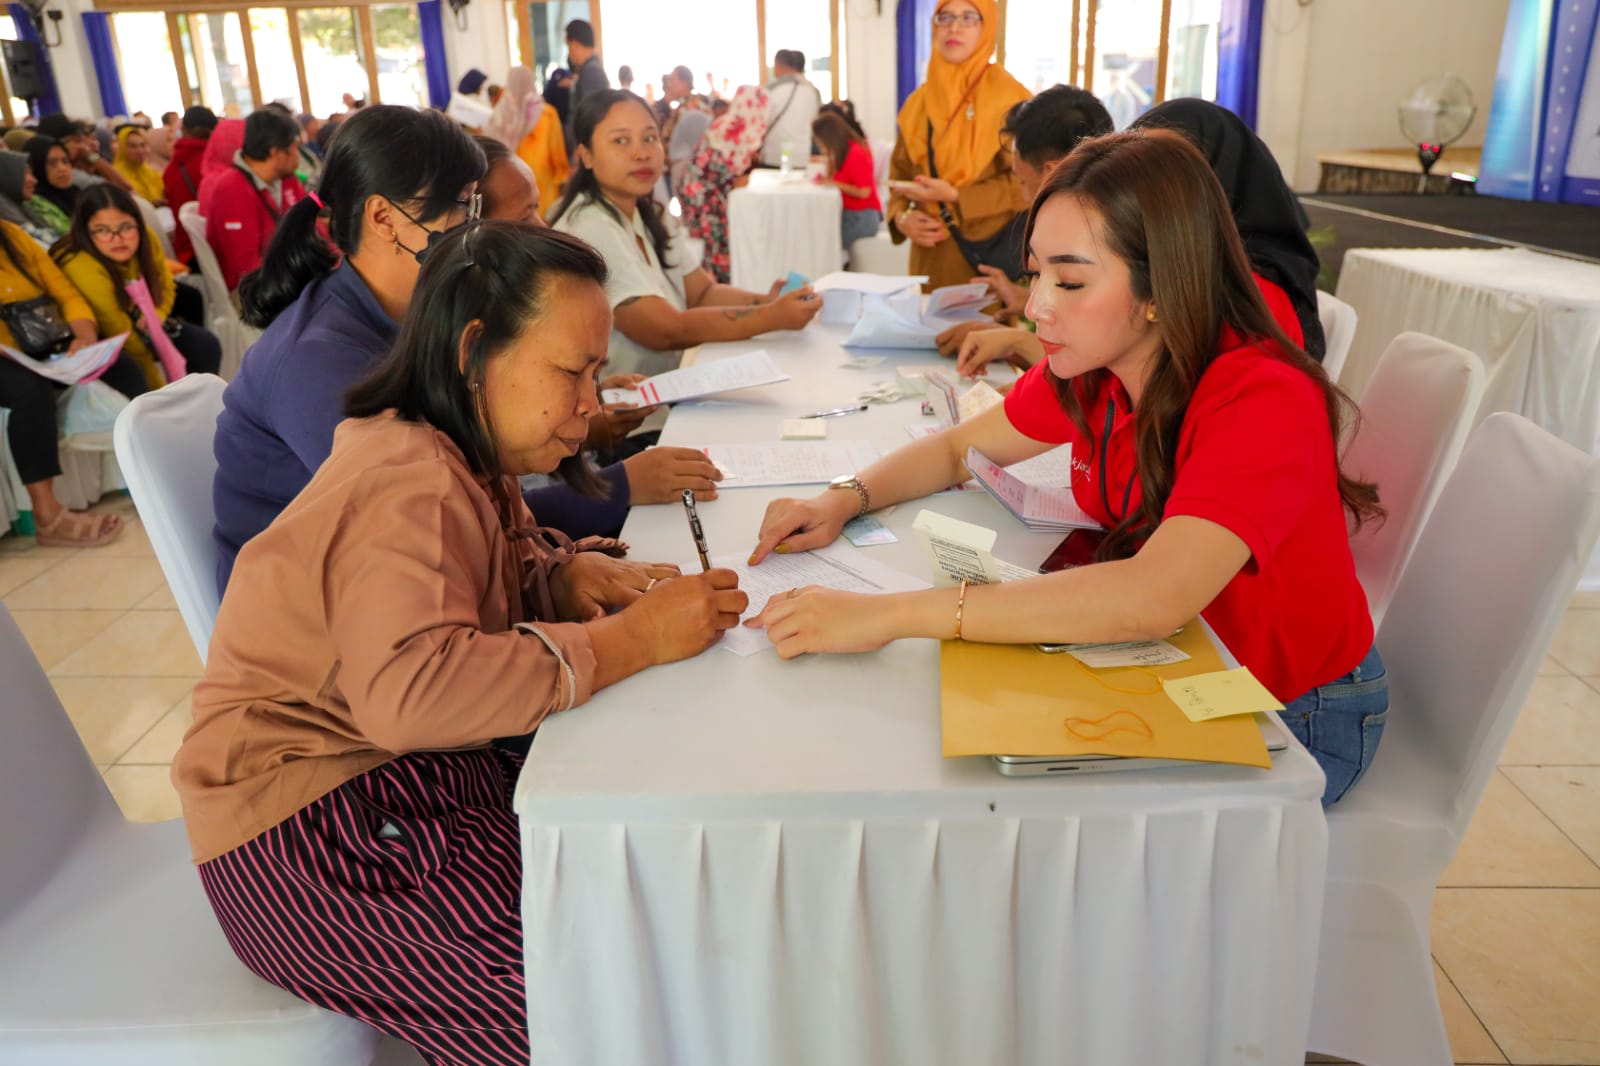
{"x":694,"y":528}
{"x":835,"y":412}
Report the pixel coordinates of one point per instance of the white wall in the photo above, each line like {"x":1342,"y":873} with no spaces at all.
{"x":483,"y":44}
{"x":870,"y":64}
{"x":1334,"y":72}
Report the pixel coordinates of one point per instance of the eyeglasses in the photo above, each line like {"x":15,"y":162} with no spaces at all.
{"x":107,"y":233}
{"x":967,"y":19}
{"x":473,"y":205}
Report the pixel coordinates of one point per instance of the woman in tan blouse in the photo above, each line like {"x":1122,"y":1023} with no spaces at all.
{"x":351,"y":821}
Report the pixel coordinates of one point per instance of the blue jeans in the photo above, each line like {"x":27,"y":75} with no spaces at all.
{"x":855,"y":225}
{"x":1341,"y":722}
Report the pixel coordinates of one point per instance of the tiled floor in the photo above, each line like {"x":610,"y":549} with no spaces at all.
{"x":1516,"y":925}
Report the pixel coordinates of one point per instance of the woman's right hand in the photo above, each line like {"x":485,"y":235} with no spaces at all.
{"x":1016,"y":346}
{"x":921,"y":228}
{"x":680,"y":617}
{"x":1013,"y":297}
{"x":794,"y":310}
{"x":801,"y":525}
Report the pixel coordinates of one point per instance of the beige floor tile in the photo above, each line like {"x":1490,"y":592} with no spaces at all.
{"x":138,"y":644}
{"x":159,"y":600}
{"x":134,"y":542}
{"x":160,"y":744}
{"x":1586,"y":600}
{"x":1511,"y":843}
{"x":54,"y":635}
{"x":1559,"y":725}
{"x":112,"y":713}
{"x":11,"y":546}
{"x":88,"y":581}
{"x":1469,"y":1040}
{"x":19,"y":568}
{"x":1550,"y":668}
{"x":144,"y":793}
{"x":1570,"y":797}
{"x":1577,"y":643}
{"x":1527,"y":960}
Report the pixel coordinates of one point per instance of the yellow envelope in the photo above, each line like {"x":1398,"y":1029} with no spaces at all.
{"x":1003,"y":699}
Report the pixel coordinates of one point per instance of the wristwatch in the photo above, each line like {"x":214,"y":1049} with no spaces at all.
{"x":853,"y":484}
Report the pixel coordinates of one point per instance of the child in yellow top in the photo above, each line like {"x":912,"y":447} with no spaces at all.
{"x":133,"y":163}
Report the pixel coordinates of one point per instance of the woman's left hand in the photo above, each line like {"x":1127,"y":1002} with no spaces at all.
{"x":593,"y":583}
{"x":814,"y":619}
{"x":936,"y":190}
{"x":83,"y":334}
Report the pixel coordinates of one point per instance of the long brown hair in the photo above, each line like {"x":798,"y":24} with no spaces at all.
{"x":92,"y":201}
{"x":1163,"y":213}
{"x":835,"y":136}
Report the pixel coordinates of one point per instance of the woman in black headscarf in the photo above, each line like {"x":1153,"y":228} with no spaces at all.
{"x":52,"y":166}
{"x":1270,"y":218}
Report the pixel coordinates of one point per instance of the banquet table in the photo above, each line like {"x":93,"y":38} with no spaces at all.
{"x":1533,"y":319}
{"x":780,"y":223}
{"x":739,"y":860}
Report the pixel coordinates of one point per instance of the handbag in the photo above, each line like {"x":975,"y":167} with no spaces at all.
{"x":37,"y":326}
{"x":1003,"y":250}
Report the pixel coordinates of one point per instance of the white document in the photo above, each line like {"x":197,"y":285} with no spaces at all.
{"x":1052,"y":470}
{"x":958,"y":299}
{"x":85,"y":364}
{"x":978,"y":399}
{"x":789,"y":462}
{"x":1127,"y":653}
{"x":838,"y":566}
{"x":960,"y":551}
{"x":1041,"y":509}
{"x":851,"y":281}
{"x":703,"y":379}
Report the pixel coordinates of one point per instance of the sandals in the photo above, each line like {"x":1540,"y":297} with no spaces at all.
{"x":76,"y":529}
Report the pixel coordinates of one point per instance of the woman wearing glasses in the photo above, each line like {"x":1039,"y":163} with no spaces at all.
{"x":108,"y":248}
{"x":950,"y":178}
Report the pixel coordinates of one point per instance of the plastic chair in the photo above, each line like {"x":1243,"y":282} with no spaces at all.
{"x":1415,"y":413}
{"x":225,"y":322}
{"x":109,"y":951}
{"x":152,"y":220}
{"x":163,"y":442}
{"x":1476,"y":609}
{"x":1338,"y":329}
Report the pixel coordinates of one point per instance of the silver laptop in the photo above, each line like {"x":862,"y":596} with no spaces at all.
{"x":1273,"y":732}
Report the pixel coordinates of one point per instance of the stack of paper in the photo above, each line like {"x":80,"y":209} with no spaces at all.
{"x":789,"y":462}
{"x":1042,"y":508}
{"x":85,"y":364}
{"x":703,"y":379}
{"x":897,"y":320}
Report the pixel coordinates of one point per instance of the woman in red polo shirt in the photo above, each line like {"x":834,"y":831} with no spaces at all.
{"x":1203,"y":439}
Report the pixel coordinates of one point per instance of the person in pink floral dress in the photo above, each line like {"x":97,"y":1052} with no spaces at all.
{"x":720,"y":164}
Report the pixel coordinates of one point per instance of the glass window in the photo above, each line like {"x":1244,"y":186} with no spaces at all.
{"x":1192,"y":48}
{"x":402,"y":77}
{"x":804,"y":25}
{"x":329,"y":38}
{"x":213,"y":52}
{"x":8,"y":32}
{"x":269,"y":30}
{"x":513,"y":35}
{"x":547,"y":22}
{"x":1038,"y":42}
{"x":724,"y":47}
{"x":150,"y":81}
{"x":1127,"y":43}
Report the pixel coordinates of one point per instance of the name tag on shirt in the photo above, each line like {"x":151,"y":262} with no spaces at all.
{"x":233,"y":225}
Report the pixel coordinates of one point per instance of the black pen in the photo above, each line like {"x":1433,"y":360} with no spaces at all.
{"x":694,"y":527}
{"x":835,"y":411}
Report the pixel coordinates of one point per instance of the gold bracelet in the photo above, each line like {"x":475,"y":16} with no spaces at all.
{"x":961,"y":606}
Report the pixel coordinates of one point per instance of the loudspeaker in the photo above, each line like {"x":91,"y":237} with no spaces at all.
{"x":22,"y":69}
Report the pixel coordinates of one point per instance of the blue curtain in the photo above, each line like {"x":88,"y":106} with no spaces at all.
{"x":433,"y":59}
{"x":1239,"y":58}
{"x":97,"y":28}
{"x":913,"y":31}
{"x":49,"y":102}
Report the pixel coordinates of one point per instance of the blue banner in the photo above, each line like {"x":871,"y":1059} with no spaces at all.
{"x":1239,"y":57}
{"x":103,"y":54}
{"x":434,"y":64}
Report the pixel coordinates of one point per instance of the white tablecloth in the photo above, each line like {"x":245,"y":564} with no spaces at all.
{"x":742,"y":860}
{"x":781,"y":223}
{"x":1534,"y":319}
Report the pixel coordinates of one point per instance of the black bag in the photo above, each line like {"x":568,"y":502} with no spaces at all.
{"x":1003,"y":250}
{"x":37,"y":326}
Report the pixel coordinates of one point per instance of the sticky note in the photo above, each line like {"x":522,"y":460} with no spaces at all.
{"x":1203,"y":697}
{"x":805,"y":428}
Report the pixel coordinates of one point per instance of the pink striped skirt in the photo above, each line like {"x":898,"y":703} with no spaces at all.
{"x":395,"y":900}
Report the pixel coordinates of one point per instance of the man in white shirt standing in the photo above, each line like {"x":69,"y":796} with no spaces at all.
{"x":792,"y":105}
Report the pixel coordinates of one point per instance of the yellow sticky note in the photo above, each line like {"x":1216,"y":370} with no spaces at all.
{"x":1203,"y":697}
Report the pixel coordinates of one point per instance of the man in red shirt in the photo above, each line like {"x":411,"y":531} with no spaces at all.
{"x":243,"y":203}
{"x":181,"y":178}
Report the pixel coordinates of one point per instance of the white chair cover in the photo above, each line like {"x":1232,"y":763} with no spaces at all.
{"x":1415,"y":414}
{"x":225,"y":322}
{"x":163,"y":440}
{"x":1475,"y":611}
{"x":109,"y":951}
{"x":1338,"y":329}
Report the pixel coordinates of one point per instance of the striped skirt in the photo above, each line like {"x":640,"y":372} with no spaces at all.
{"x":394,"y":899}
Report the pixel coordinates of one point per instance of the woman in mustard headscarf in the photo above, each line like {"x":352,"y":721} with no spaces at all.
{"x":133,"y":163}
{"x":948,"y":158}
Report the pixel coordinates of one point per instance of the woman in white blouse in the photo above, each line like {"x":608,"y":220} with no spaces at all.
{"x":662,"y":299}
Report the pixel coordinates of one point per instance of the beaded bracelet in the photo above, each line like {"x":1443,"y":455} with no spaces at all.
{"x":961,"y":606}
